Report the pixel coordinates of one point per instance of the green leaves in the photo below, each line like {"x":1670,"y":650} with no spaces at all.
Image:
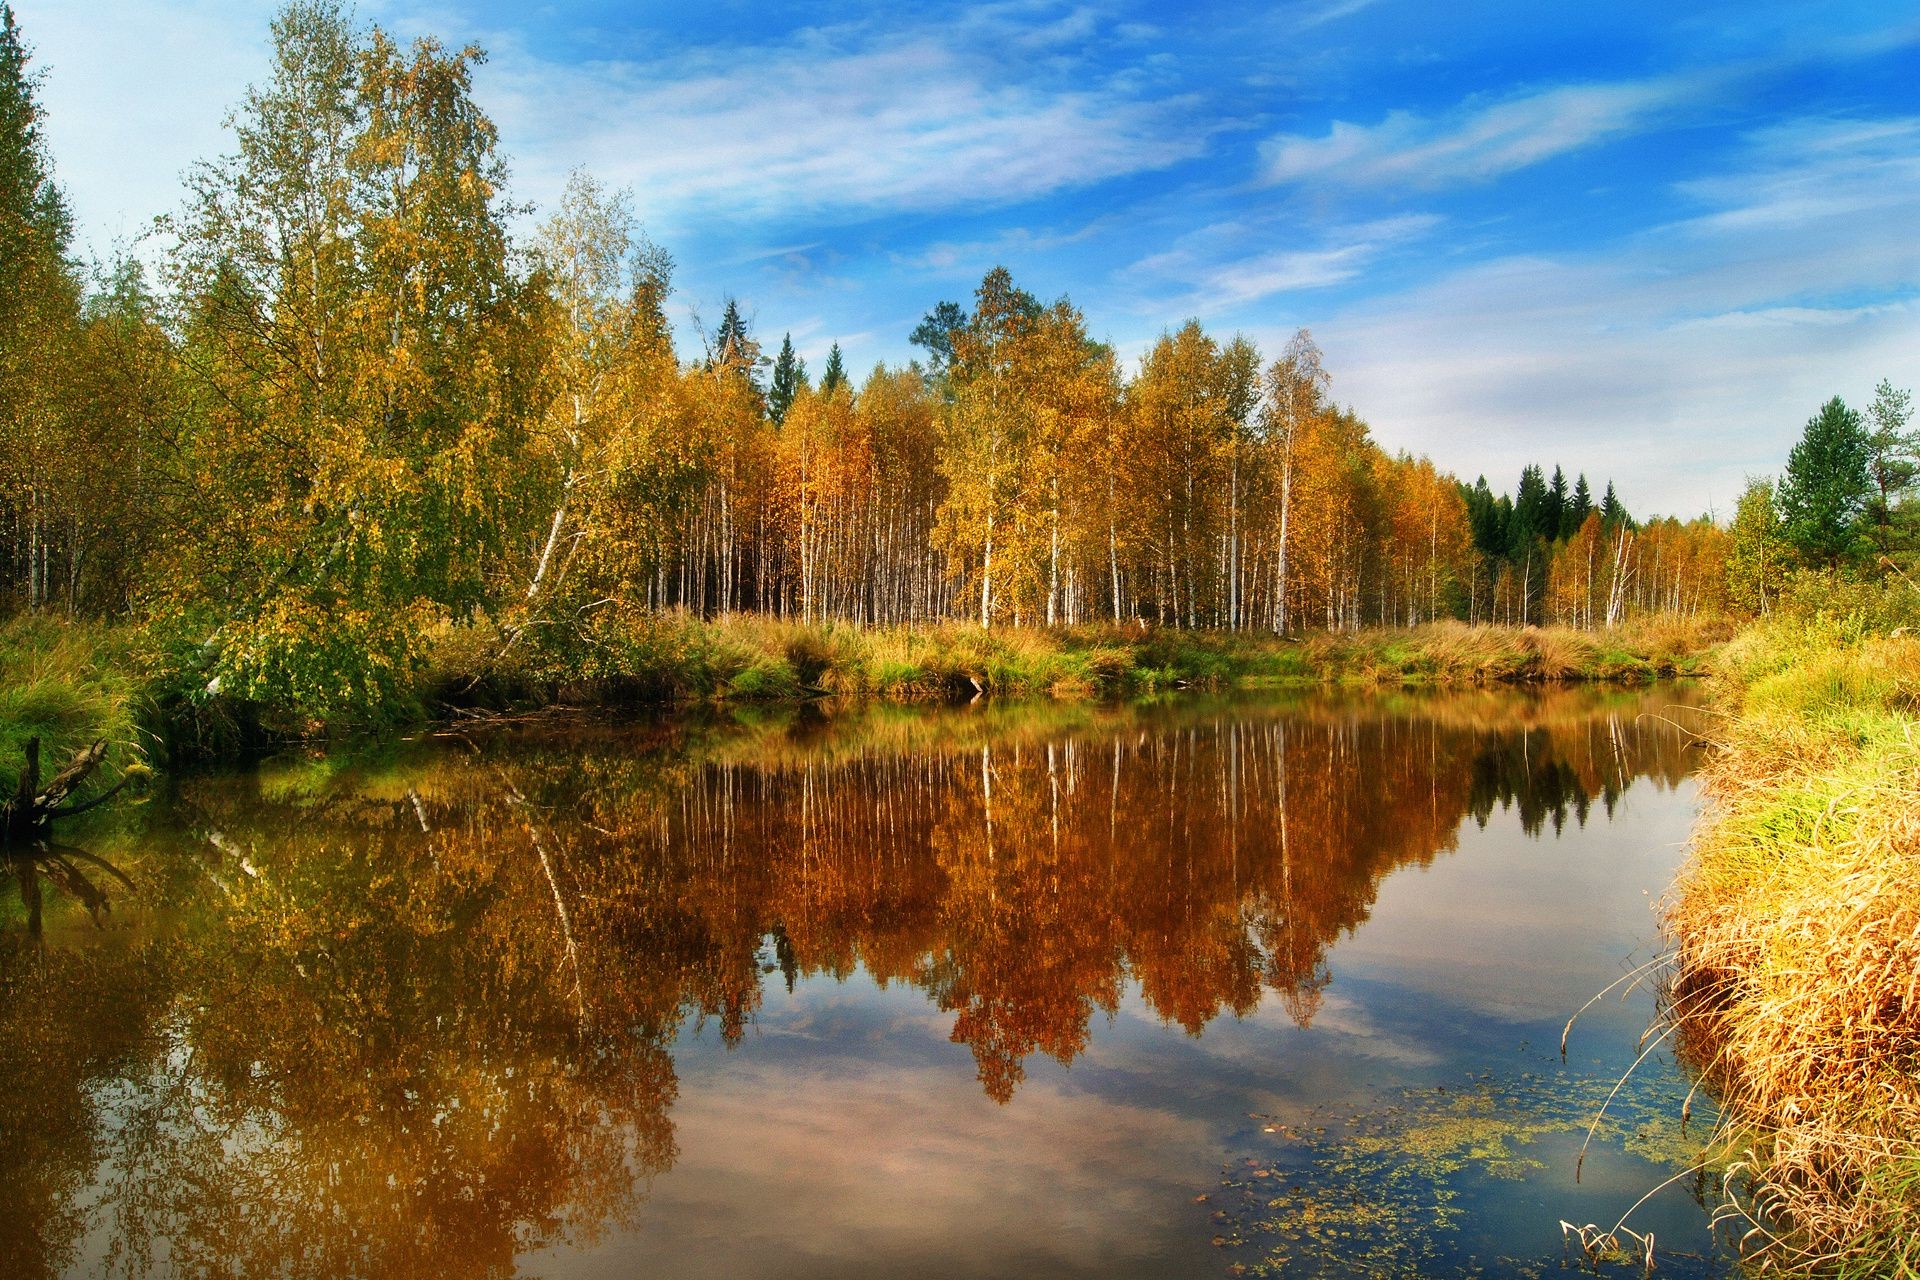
{"x":1825,"y":490}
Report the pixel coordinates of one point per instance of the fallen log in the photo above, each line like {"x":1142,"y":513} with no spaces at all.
{"x":25,"y":818}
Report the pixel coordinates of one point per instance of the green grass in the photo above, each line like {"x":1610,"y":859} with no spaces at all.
{"x":679,"y":658}
{"x":66,"y":684}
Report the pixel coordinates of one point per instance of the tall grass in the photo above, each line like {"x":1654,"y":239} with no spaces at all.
{"x":677,"y":657}
{"x":67,"y":684}
{"x":1798,"y":926}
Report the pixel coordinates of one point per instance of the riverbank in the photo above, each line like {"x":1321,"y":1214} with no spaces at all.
{"x":69,"y":682}
{"x":1796,"y":995}
{"x":675,"y":658}
{"x":67,"y":685}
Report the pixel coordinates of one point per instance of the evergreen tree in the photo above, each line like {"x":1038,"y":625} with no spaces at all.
{"x":734,"y":347}
{"x":1828,"y":485}
{"x":1612,"y":514}
{"x":1553,"y":517}
{"x":1579,"y":506}
{"x":1529,"y":513}
{"x":789,"y":376}
{"x":835,"y":374}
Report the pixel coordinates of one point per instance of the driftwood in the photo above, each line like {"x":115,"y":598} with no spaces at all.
{"x":24,"y":819}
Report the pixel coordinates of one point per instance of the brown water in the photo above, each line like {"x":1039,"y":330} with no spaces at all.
{"x":1254,"y":985}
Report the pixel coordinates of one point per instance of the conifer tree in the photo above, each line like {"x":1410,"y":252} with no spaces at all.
{"x":1578,"y":507}
{"x":1553,"y":515}
{"x":1827,"y":486}
{"x":789,"y":376}
{"x":835,"y":374}
{"x":1612,"y":514}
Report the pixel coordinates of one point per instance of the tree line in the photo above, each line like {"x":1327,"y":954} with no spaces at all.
{"x":351,"y":410}
{"x":1845,"y":502}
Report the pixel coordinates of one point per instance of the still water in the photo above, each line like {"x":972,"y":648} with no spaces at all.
{"x":1258,"y":985}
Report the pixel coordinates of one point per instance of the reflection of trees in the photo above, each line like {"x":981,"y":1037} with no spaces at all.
{"x":412,"y":1017}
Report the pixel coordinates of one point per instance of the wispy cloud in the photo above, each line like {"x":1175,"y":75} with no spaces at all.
{"x":1474,"y":142}
{"x":1797,"y":279}
{"x":845,"y":119}
{"x":1231,"y":264}
{"x":1318,"y":15}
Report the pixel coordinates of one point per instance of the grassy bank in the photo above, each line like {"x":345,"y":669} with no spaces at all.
{"x":66,"y":684}
{"x":1798,"y":921}
{"x":664,"y":658}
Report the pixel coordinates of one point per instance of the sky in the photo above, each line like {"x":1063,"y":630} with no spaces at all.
{"x":1643,"y":241}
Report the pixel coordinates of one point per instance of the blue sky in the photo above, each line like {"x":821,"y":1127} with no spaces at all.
{"x":1641,"y":240}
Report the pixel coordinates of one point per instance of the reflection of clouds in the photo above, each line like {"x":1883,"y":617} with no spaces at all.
{"x":1506,"y":928}
{"x":841,"y":1160}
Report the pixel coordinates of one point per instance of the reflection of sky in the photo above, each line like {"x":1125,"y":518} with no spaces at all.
{"x":847,"y":1135}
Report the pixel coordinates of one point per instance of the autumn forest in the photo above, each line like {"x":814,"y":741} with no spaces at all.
{"x":355,"y":404}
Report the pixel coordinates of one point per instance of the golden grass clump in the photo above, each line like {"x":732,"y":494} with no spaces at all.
{"x":1797,"y":990}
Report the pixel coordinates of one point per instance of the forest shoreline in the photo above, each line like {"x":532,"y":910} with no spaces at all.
{"x":68,"y":683}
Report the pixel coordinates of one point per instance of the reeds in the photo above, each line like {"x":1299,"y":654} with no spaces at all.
{"x":1797,"y":988}
{"x":66,"y":684}
{"x":678,"y":657}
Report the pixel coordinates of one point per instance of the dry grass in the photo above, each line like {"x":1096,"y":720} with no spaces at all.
{"x":1456,"y":653}
{"x":678,"y":657}
{"x":1798,"y":924}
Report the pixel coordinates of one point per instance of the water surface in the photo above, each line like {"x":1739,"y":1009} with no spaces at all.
{"x":1254,"y":985}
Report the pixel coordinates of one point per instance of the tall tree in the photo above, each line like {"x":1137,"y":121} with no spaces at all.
{"x":988,"y":429}
{"x":789,"y":375}
{"x":1296,"y":388}
{"x":1758,"y":554}
{"x":1553,"y":515}
{"x":39,"y":315}
{"x":835,"y":374}
{"x":1828,"y":485}
{"x":1894,"y":458}
{"x":935,"y":335}
{"x":1579,"y":506}
{"x":1612,"y":512}
{"x":363,"y":368}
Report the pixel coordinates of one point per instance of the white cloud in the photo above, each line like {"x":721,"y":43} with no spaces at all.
{"x":1219,"y":271}
{"x":1473,"y":143}
{"x":1676,"y":361}
{"x":832,"y":119}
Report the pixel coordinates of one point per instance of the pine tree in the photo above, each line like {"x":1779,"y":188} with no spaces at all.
{"x":1553,"y":511}
{"x":1529,"y":513}
{"x":835,"y":374}
{"x":1612,"y":514}
{"x":789,"y":376}
{"x":935,"y":334}
{"x":1578,"y":507}
{"x":1828,"y":485}
{"x":734,"y":347}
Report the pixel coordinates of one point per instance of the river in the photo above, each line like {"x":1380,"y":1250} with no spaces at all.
{"x":1261,"y":984}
